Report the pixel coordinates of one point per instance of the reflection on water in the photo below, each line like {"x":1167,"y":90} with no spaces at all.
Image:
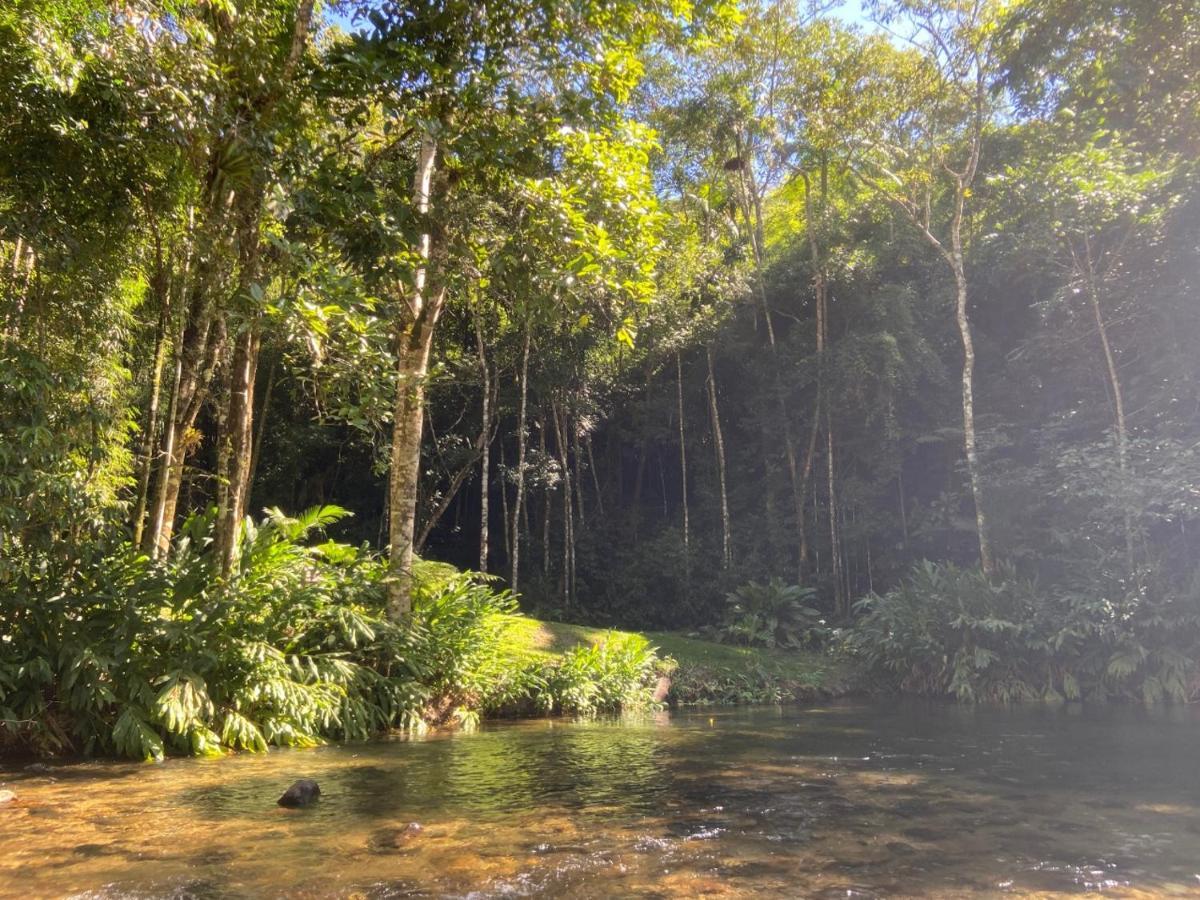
{"x":853,"y":800}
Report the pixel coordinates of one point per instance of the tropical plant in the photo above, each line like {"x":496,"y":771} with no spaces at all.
{"x":772,"y":614}
{"x":948,"y":630}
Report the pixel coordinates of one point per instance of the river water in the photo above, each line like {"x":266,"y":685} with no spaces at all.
{"x":894,"y":799}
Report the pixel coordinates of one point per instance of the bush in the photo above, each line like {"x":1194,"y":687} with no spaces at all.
{"x":952,"y":631}
{"x":138,"y":658}
{"x":618,"y":672}
{"x":771,"y":615}
{"x":127,"y":656}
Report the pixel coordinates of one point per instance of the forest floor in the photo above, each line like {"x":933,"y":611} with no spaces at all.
{"x":708,"y":672}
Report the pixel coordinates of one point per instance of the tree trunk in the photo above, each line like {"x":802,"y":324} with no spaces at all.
{"x":986,"y":561}
{"x":577,"y":477}
{"x":515,"y":559}
{"x":719,"y":443}
{"x":200,"y":352}
{"x":504,"y":516}
{"x":1118,"y":397}
{"x":451,"y":494}
{"x":560,"y":429}
{"x":835,"y":544}
{"x":486,"y":443}
{"x":820,"y":295}
{"x":542,"y":445}
{"x":591,"y":458}
{"x":752,"y":210}
{"x":150,"y":432}
{"x":261,"y":426}
{"x":414,"y":344}
{"x":236,"y":450}
{"x":683,"y":470}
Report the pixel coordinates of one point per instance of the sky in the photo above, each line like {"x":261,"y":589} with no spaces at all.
{"x":849,"y":10}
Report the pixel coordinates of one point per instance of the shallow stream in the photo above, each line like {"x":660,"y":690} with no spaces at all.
{"x":847,"y":800}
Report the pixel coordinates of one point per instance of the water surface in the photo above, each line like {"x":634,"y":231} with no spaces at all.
{"x":849,"y":800}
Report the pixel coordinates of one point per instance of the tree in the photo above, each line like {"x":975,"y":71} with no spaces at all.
{"x":926,"y":164}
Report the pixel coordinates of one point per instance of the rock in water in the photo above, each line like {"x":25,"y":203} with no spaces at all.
{"x":7,"y":797}
{"x":302,"y":793}
{"x":388,"y":839}
{"x":662,"y":689}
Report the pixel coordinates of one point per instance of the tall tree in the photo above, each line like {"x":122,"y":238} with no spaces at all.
{"x":927,"y":161}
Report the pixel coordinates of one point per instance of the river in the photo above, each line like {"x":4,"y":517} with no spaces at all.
{"x":855,"y":799}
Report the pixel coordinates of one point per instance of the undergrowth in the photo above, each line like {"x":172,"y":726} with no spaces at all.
{"x":119,"y":654}
{"x":952,"y":631}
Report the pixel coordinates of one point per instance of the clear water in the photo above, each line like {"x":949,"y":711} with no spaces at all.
{"x":849,"y":800}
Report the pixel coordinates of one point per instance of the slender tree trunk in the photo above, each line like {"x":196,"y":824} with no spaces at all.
{"x":835,"y":544}
{"x":260,"y":431}
{"x":819,"y":306}
{"x":23,"y":259}
{"x":752,"y":210}
{"x":568,"y":523}
{"x":236,"y":450}
{"x":719,"y":443}
{"x":486,"y":443}
{"x":235,"y":437}
{"x":986,"y":561}
{"x":591,"y":458}
{"x":152,"y":539}
{"x":414,"y":344}
{"x":662,"y":487}
{"x":1118,"y":399}
{"x":200,"y":354}
{"x":452,"y":493}
{"x":542,"y":445}
{"x":683,"y":469}
{"x":150,"y":428}
{"x":515,"y":558}
{"x":454,"y":490}
{"x":577,"y":477}
{"x":504,"y":517}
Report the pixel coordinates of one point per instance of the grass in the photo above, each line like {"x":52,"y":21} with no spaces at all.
{"x":708,"y":673}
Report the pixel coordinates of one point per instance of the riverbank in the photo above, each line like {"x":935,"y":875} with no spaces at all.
{"x":148,"y":659}
{"x":702,"y":672}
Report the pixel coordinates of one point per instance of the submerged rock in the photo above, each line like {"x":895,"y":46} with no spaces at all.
{"x":389,"y":839}
{"x":7,"y":797}
{"x":302,"y":793}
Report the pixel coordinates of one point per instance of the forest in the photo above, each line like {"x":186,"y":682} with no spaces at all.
{"x":341,"y":343}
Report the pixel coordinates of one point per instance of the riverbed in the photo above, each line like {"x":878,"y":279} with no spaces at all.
{"x":854,"y":799}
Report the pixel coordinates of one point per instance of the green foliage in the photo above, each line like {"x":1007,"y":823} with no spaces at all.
{"x":772,"y":614}
{"x":614,"y":673}
{"x":141,"y":660}
{"x":948,"y":630}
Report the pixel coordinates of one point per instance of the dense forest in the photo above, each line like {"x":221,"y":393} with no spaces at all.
{"x":771,"y":322}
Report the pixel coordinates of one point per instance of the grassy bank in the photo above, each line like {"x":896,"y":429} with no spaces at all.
{"x":706,"y":672}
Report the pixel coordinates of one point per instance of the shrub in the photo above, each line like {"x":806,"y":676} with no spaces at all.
{"x":618,"y":672}
{"x":127,"y":656}
{"x":952,"y":631}
{"x":771,"y":615}
{"x":137,"y":658}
